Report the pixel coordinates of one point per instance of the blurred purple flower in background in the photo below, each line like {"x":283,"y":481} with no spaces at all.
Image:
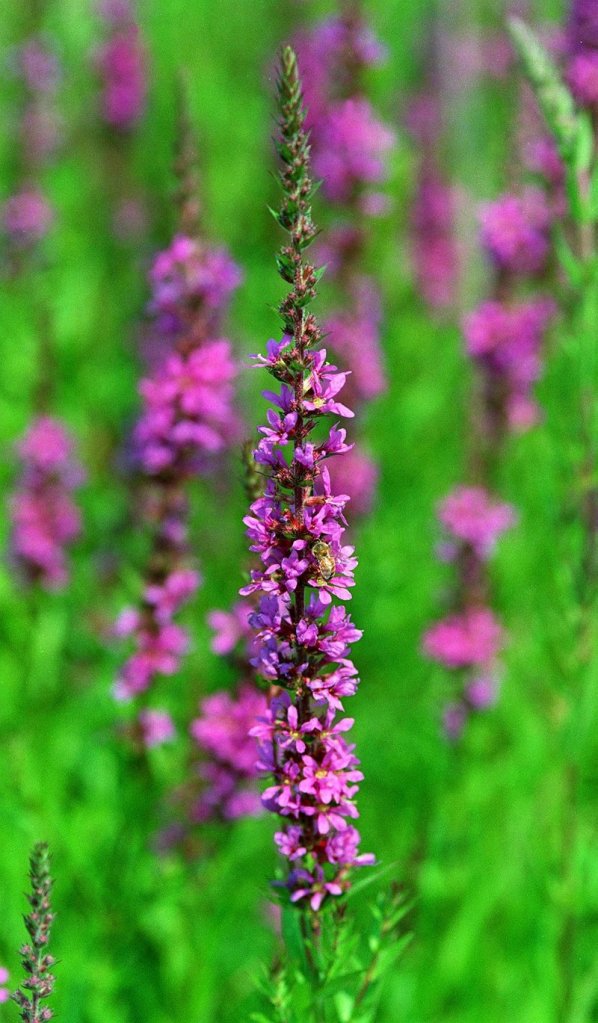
{"x":121,"y":64}
{"x":582,"y":52}
{"x":26,"y":217}
{"x":157,"y":727}
{"x":45,"y":520}
{"x":515,"y":231}
{"x":229,"y":770}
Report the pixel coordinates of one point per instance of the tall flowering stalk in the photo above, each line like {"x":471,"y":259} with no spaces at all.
{"x":350,"y":149}
{"x":570,"y":116}
{"x":45,"y":519}
{"x":37,"y":962}
{"x":433,"y":243}
{"x":505,"y":339}
{"x":120,"y":62}
{"x":303,"y":638}
{"x":26,"y":215}
{"x":187,"y":419}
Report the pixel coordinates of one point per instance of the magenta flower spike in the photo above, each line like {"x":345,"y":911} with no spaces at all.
{"x":469,"y":640}
{"x":45,"y":519}
{"x":303,"y":634}
{"x":186,"y":421}
{"x":121,"y":65}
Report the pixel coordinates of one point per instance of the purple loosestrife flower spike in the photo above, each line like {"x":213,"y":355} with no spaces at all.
{"x":36,"y":960}
{"x":302,"y":638}
{"x":187,"y":418}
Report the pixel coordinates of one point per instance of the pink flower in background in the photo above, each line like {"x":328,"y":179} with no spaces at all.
{"x":582,"y":77}
{"x":322,"y":54}
{"x":38,"y":66}
{"x":515,"y":231}
{"x":507,"y":341}
{"x":482,"y":692}
{"x":45,"y":520}
{"x":350,"y":147}
{"x":229,"y":769}
{"x":582,"y":46}
{"x":472,"y":516}
{"x":473,"y":637}
{"x":26,"y":217}
{"x":121,"y":64}
{"x":355,"y":474}
{"x":156,"y":727}
{"x":433,"y":239}
{"x":354,"y":335}
{"x":188,"y":412}
{"x":187,"y":278}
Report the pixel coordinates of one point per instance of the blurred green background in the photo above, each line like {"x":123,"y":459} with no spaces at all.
{"x":493,"y":841}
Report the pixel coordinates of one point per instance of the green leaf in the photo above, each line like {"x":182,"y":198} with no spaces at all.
{"x":292,"y":936}
{"x":554,"y":99}
{"x":373,"y":876}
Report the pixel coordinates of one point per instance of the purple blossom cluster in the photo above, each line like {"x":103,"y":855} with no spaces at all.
{"x":191,"y":281}
{"x":37,"y":67}
{"x":582,"y":62}
{"x":350,"y":146}
{"x":349,"y":143}
{"x":26,"y":217}
{"x":515,"y":232}
{"x":469,"y":639}
{"x":228,"y":770}
{"x":434,"y":251}
{"x":506,"y":341}
{"x":435,"y":256}
{"x":157,"y":727}
{"x":186,"y":418}
{"x":121,"y":64}
{"x":302,"y":637}
{"x":159,"y":641}
{"x":45,"y":519}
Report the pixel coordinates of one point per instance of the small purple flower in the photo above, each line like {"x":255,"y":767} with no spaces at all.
{"x":515,"y":231}
{"x":156,"y":727}
{"x":355,"y":336}
{"x":121,"y":64}
{"x":473,"y":637}
{"x":223,"y":733}
{"x":482,"y":692}
{"x":582,"y":39}
{"x":26,"y":217}
{"x":434,"y":250}
{"x":350,"y":148}
{"x":471,"y":516}
{"x":454,"y":719}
